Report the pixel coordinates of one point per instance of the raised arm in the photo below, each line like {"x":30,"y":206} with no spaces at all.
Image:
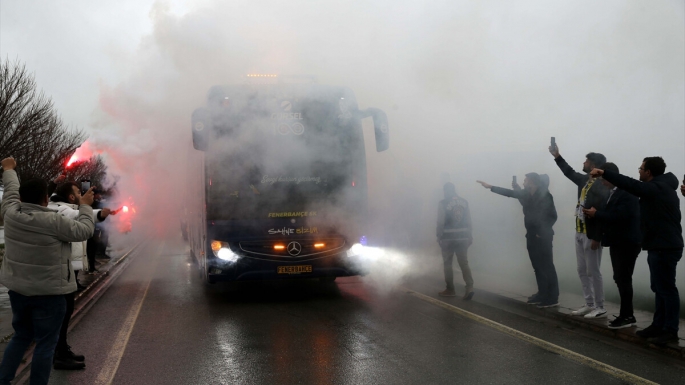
{"x":10,"y":198}
{"x":575,"y":177}
{"x":628,"y":184}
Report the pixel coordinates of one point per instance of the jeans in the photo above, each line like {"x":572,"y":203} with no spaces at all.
{"x":589,"y":262}
{"x":62,"y":345}
{"x":662,"y":268}
{"x":33,"y":318}
{"x":623,"y":263}
{"x":542,"y":259}
{"x":449,"y":248}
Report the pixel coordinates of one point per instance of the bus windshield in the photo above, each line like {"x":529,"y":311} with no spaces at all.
{"x":265,"y":162}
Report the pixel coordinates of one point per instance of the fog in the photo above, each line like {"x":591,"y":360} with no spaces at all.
{"x":473,"y":88}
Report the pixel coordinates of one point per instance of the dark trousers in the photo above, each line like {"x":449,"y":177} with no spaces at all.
{"x":623,"y":263}
{"x":449,"y":249}
{"x":62,"y":345}
{"x":542,"y":259}
{"x":662,"y":268}
{"x":35,"y":318}
{"x":91,"y":249}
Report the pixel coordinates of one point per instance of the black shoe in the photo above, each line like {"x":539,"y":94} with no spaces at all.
{"x":62,"y":362}
{"x":534,"y":299}
{"x":80,"y":287}
{"x":650,"y":331}
{"x":548,"y":303}
{"x":468,"y":296}
{"x":622,"y":322}
{"x":664,"y":338}
{"x":76,"y":357}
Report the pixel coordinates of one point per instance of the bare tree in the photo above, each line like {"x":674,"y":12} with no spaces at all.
{"x":93,"y":169}
{"x":30,"y":128}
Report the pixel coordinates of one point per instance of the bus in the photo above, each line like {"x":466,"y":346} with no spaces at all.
{"x":277,"y":182}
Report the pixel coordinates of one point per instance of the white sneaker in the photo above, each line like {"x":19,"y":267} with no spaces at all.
{"x":597,"y":313}
{"x":583,"y":310}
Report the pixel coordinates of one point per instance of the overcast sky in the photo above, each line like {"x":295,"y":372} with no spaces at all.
{"x":473,"y":87}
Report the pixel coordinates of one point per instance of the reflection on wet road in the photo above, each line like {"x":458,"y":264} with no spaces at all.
{"x":159,"y":324}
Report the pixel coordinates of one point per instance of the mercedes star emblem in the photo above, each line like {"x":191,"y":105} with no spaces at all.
{"x":294,"y":248}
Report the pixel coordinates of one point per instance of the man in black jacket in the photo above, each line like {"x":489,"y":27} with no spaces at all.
{"x":619,"y":224}
{"x":539,"y":215}
{"x":588,"y":236}
{"x":662,"y":238}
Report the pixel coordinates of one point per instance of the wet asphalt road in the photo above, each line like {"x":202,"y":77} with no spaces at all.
{"x":158,"y":324}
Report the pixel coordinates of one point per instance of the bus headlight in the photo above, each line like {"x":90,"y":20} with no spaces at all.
{"x":223,"y":251}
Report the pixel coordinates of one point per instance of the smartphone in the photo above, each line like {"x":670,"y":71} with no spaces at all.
{"x":514,"y":179}
{"x":554,"y":143}
{"x":85,"y":185}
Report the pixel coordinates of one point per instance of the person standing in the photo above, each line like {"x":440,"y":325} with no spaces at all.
{"x":66,"y":201}
{"x":454,"y":234}
{"x":662,"y":238}
{"x":539,"y":216}
{"x":36,"y":269}
{"x":588,"y":235}
{"x":619,"y":222}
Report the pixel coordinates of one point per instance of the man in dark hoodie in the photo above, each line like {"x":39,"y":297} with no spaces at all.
{"x":588,"y":236}
{"x":539,"y":215}
{"x":619,"y":223}
{"x":662,"y":238}
{"x":454,"y":237}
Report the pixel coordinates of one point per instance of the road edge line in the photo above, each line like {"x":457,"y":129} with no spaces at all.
{"x":569,"y":354}
{"x":86,"y":302}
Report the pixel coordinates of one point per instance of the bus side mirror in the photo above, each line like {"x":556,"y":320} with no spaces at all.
{"x":201,"y":124}
{"x":380,"y":128}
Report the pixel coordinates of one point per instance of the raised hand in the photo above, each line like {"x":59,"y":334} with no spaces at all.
{"x":486,"y":185}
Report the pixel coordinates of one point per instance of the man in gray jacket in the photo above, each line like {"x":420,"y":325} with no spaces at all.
{"x":454,"y":237}
{"x":36,"y":269}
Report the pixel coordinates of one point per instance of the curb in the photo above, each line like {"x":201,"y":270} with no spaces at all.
{"x":83,"y":301}
{"x":626,"y":334}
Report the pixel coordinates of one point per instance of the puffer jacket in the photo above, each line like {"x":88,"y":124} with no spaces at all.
{"x":78,"y":249}
{"x":37,"y":244}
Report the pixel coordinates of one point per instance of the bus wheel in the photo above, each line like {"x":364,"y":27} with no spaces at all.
{"x":327,"y":279}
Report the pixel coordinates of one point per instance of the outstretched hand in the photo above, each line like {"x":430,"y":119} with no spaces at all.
{"x":486,"y":185}
{"x":596,"y":173}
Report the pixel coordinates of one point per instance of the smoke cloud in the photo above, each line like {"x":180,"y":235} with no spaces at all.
{"x":473,"y":88}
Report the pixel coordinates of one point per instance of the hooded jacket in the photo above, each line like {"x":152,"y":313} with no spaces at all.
{"x":37,"y":244}
{"x":539,"y":213}
{"x":596,"y":196}
{"x":659,"y":209}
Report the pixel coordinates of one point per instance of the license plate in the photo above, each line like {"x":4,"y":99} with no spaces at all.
{"x":294,"y":269}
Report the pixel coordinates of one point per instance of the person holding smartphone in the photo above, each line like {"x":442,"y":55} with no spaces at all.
{"x":619,"y":222}
{"x":588,"y":235}
{"x":662,"y":237}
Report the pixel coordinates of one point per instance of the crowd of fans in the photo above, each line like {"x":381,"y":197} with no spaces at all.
{"x":615,"y":211}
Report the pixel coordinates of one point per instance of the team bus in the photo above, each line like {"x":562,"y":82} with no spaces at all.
{"x":277,"y":182}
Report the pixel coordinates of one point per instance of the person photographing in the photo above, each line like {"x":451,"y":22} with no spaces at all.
{"x":36,"y":269}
